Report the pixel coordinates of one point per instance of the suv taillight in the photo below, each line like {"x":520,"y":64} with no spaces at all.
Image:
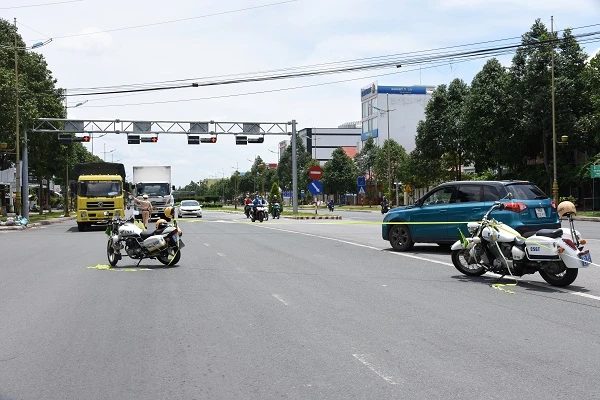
{"x":515,"y":207}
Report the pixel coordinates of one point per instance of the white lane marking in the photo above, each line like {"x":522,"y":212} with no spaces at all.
{"x":280,"y":299}
{"x":207,"y":244}
{"x":589,"y":296}
{"x":362,"y":359}
{"x":221,"y":254}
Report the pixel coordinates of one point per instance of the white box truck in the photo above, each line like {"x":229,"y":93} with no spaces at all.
{"x":155,"y":181}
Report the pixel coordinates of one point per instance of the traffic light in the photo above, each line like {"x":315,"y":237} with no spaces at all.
{"x":152,"y":139}
{"x":85,"y":139}
{"x":212,"y":139}
{"x":68,"y":139}
{"x":260,"y":139}
{"x":241,"y":139}
{"x":133,"y":139}
{"x":193,"y":139}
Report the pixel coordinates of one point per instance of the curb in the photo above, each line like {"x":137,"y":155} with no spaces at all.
{"x":316,"y":217}
{"x":36,"y":224}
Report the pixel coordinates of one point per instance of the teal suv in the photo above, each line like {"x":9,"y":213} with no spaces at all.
{"x":437,"y":216}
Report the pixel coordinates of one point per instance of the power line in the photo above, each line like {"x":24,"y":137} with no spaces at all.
{"x":332,"y":63}
{"x":42,"y":4}
{"x":177,"y":20}
{"x":417,"y":60}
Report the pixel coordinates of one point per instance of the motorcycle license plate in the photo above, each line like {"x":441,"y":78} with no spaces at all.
{"x":540,"y":213}
{"x":586,"y":258}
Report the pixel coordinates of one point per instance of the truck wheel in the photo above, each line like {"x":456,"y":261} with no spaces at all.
{"x":81,"y":226}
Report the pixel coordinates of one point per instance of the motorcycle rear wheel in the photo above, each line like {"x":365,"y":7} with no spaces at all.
{"x":459,"y":260}
{"x":171,"y":256}
{"x":111,"y":254}
{"x":562,"y":279}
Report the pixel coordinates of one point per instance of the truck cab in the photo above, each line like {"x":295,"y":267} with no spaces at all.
{"x":160,"y":195}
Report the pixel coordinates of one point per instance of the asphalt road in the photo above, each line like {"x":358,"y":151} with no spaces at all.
{"x":284,"y":309}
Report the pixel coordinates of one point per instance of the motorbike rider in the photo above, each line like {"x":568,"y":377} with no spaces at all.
{"x":247,"y":204}
{"x":274,"y":201}
{"x":385,"y":203}
{"x":255,"y":203}
{"x":330,"y":205}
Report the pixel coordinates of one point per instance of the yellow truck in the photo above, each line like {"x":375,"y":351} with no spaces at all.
{"x":98,"y":187}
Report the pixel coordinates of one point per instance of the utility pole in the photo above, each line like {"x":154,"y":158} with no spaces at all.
{"x":294,"y":169}
{"x":555,"y":183}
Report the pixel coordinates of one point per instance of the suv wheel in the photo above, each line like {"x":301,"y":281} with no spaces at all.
{"x":401,"y":238}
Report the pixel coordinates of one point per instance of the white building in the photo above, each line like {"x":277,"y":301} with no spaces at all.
{"x":398,"y":107}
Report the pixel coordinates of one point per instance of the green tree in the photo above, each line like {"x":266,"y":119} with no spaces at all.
{"x":487,"y":117}
{"x":284,"y":168}
{"x":339,"y":174}
{"x":365,"y":161}
{"x":398,"y":164}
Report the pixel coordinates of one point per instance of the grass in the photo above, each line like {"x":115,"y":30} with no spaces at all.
{"x":588,"y":213}
{"x":34,"y":216}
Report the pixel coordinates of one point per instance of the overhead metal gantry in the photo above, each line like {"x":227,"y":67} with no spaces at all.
{"x":241,"y":130}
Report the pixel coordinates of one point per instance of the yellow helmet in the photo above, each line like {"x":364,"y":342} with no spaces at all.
{"x":169,"y":212}
{"x":161,"y":223}
{"x":566,"y":208}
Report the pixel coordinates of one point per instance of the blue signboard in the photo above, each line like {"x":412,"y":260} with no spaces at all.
{"x":362,"y":189}
{"x":362,"y":181}
{"x":315,"y":187}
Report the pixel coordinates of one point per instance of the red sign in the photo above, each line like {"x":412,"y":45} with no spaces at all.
{"x":315,"y":172}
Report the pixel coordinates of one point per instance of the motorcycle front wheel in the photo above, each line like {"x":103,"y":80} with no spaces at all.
{"x":561,"y":279}
{"x":459,"y":259}
{"x":111,"y":254}
{"x":170,"y":257}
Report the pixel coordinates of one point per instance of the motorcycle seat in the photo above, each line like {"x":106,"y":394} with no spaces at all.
{"x":147,"y":234}
{"x":551,"y":233}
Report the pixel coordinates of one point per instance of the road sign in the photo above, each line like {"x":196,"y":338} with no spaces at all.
{"x":315,"y":173}
{"x":595,"y":171}
{"x":407,"y":188}
{"x":315,"y":187}
{"x":362,"y":190}
{"x":362,"y":181}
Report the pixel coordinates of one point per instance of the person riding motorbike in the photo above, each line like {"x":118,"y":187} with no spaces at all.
{"x":385,"y":205}
{"x":330,"y":205}
{"x":247,"y":205}
{"x":274,"y":201}
{"x":255,"y":203}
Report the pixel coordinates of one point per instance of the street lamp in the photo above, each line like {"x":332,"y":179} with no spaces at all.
{"x":25,"y":211}
{"x":555,"y":183}
{"x":237,"y":176}
{"x":107,"y":152}
{"x":387,"y":111}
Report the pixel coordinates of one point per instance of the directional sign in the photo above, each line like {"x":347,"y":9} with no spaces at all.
{"x":362,"y":181}
{"x":315,"y":172}
{"x":315,"y":187}
{"x":595,"y":171}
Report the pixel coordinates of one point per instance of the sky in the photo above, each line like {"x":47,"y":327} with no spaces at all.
{"x":98,"y":43}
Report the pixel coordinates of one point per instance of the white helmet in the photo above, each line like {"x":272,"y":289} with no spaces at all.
{"x":566,"y":208}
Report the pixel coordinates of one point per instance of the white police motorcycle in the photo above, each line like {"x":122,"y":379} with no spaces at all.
{"x":557,"y":254}
{"x":163,"y":244}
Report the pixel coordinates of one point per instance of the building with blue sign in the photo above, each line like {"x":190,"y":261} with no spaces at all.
{"x":393,"y":112}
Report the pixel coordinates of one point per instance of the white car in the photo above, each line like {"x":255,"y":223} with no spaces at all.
{"x":189,"y":208}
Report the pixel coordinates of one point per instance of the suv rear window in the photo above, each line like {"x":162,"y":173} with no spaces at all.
{"x":526,"y":192}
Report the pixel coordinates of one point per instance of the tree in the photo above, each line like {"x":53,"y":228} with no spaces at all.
{"x":284,"y":168}
{"x":487,"y":118}
{"x":398,"y":164}
{"x":339,"y":174}
{"x":365,"y":162}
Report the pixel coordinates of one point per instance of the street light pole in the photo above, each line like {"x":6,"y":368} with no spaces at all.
{"x":18,"y":139}
{"x":555,"y":183}
{"x":389,"y":156}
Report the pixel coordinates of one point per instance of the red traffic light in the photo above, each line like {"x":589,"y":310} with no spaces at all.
{"x":85,"y":139}
{"x":212,"y":139}
{"x":153,"y":139}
